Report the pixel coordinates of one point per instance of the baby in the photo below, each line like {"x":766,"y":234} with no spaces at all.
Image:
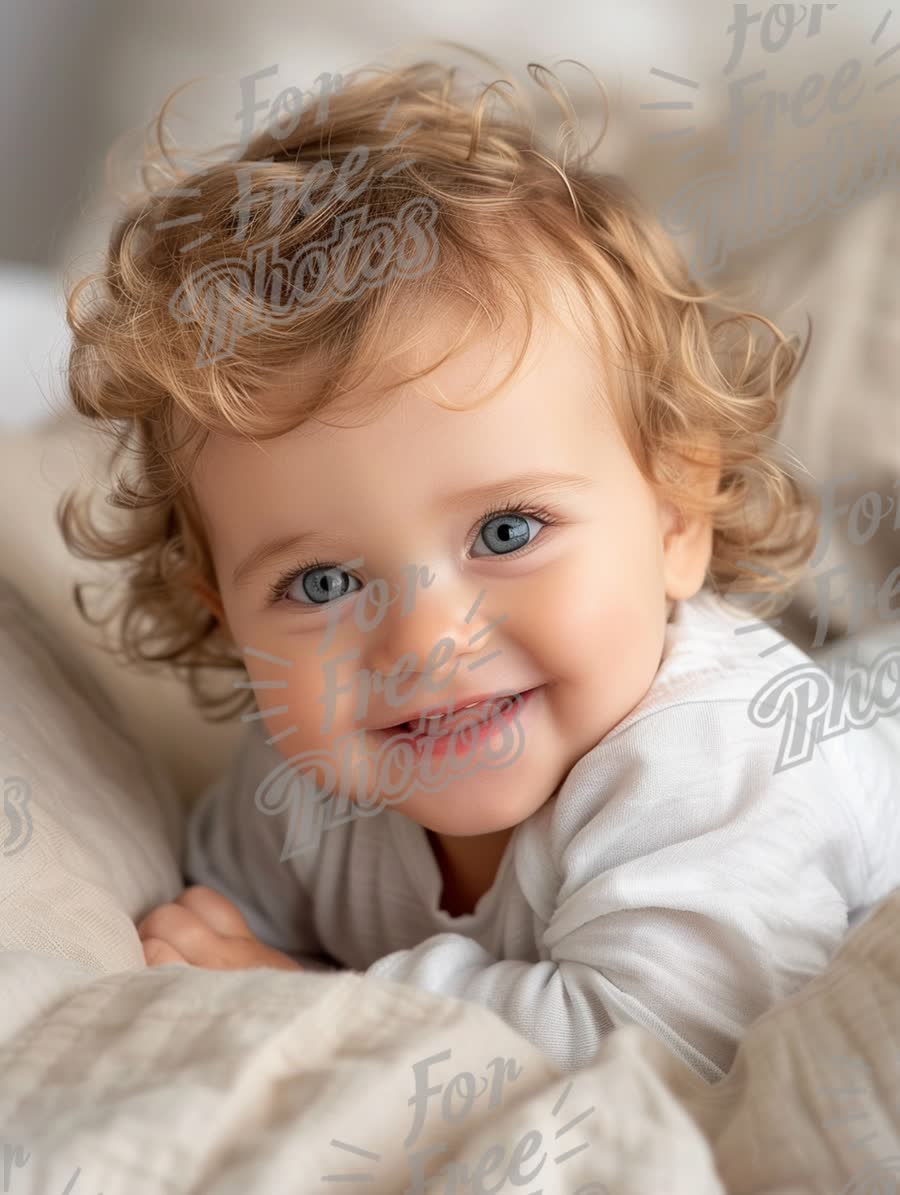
{"x":450,"y":496}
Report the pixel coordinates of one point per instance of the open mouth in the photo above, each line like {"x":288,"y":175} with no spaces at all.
{"x":439,"y":725}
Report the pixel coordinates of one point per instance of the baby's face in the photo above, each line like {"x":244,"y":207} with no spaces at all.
{"x":562,"y":599}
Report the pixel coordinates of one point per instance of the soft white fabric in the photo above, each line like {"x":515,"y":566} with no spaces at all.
{"x":677,"y":880}
{"x":197,"y":1082}
{"x":90,"y":828}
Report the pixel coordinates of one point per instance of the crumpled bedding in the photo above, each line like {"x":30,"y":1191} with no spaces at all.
{"x":176,"y":1079}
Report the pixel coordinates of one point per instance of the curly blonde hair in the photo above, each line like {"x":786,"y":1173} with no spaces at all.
{"x":514,"y":223}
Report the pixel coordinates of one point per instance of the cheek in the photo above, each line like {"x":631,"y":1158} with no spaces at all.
{"x":322,"y":695}
{"x":599,"y":632}
{"x":291,"y":697}
{"x":595,"y":610}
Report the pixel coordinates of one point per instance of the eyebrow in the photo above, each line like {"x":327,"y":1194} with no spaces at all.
{"x":522,"y":486}
{"x":507,"y":490}
{"x":268,"y":550}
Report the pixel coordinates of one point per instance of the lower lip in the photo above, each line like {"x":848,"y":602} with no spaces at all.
{"x":474,"y":736}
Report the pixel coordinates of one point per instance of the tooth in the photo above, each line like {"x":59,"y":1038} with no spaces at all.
{"x":432,"y":722}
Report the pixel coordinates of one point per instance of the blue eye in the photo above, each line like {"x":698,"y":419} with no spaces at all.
{"x":505,"y":533}
{"x":321,"y":584}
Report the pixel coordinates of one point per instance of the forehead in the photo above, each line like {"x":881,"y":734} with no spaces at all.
{"x":383,"y":448}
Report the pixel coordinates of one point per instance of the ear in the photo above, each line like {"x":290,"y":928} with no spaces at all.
{"x":687,"y":538}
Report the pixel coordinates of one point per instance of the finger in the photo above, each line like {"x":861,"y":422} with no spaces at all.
{"x":157,"y":953}
{"x":241,"y":954}
{"x":281,"y":962}
{"x":219,"y":913}
{"x":180,"y":928}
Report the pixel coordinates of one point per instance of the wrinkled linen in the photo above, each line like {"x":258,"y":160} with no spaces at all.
{"x":176,"y":1079}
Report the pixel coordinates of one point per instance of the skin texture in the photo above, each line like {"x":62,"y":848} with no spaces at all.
{"x":205,"y":929}
{"x":579,"y":612}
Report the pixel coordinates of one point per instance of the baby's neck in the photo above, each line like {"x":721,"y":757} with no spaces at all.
{"x":468,"y":866}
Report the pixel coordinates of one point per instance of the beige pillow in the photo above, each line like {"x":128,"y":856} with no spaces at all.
{"x":843,"y":417}
{"x":91,"y":830}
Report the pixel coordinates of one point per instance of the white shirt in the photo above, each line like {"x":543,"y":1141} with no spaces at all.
{"x":676,"y":880}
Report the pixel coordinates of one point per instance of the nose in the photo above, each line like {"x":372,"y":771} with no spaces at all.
{"x":434,"y":633}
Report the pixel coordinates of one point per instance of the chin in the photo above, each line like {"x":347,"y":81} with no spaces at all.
{"x":472,"y":810}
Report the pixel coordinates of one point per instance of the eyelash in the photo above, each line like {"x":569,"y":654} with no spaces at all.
{"x":280,"y":587}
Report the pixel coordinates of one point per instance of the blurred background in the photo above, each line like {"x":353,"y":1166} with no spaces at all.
{"x":79,"y":79}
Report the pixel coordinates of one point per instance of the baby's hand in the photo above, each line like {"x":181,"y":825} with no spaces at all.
{"x":203,"y":928}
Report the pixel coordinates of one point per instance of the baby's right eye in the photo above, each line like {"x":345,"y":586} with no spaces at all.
{"x":320,"y":583}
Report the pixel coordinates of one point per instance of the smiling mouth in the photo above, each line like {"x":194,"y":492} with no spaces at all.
{"x":437,"y":725}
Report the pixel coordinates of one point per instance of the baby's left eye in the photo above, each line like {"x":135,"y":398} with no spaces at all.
{"x":506,"y":532}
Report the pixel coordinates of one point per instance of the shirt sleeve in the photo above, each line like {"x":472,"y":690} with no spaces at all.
{"x":235,"y":848}
{"x":684,"y":883}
